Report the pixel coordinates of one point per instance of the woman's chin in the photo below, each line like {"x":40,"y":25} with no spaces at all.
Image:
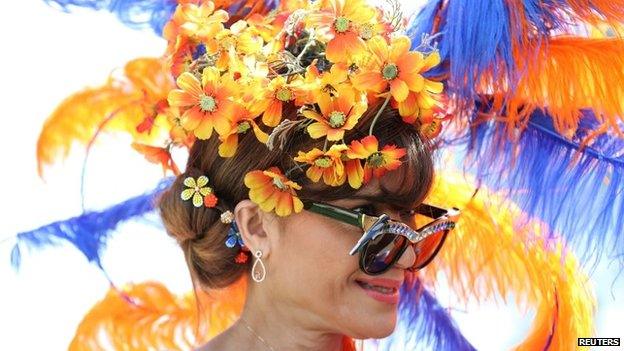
{"x":382,"y":331}
{"x":377,"y":327}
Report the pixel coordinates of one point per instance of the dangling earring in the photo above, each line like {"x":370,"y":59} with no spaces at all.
{"x":258,"y":275}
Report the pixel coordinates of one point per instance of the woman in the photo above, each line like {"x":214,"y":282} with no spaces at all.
{"x":345,"y":100}
{"x":308,"y":157}
{"x":314,"y":293}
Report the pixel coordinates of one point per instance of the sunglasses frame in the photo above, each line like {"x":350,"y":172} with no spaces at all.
{"x":373,"y":226}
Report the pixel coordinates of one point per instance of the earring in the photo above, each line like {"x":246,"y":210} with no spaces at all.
{"x":258,"y":275}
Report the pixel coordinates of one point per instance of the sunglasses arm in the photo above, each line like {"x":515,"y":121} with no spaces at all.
{"x":337,"y":213}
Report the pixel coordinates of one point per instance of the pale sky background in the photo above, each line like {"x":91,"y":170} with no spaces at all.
{"x":47,"y":55}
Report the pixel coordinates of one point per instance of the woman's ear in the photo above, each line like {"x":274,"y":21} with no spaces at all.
{"x":248,"y":218}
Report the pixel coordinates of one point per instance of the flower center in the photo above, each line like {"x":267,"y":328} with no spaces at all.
{"x":279,"y":184}
{"x":366,"y":31}
{"x":284,"y":94}
{"x":341,"y":24}
{"x":376,"y":160}
{"x":243,"y":127}
{"x":322,"y":162}
{"x":390,"y":71}
{"x":207,"y":103}
{"x":337,"y":119}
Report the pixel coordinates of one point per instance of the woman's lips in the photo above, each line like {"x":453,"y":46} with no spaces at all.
{"x":383,"y":290}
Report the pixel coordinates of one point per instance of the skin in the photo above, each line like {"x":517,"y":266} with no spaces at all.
{"x":309,"y":298}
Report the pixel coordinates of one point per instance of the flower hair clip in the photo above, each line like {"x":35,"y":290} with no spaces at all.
{"x":199,"y":191}
{"x":234,"y":237}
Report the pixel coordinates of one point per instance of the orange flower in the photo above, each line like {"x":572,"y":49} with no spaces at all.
{"x":158,"y":155}
{"x":210,"y":200}
{"x":376,"y":26}
{"x":247,"y":70}
{"x":355,"y":173}
{"x":341,"y":18}
{"x":414,"y":105}
{"x":392,"y":65}
{"x":177,"y":133}
{"x":327,"y":164}
{"x":377,"y":162}
{"x":271,"y":190}
{"x":242,"y":121}
{"x":328,"y":82}
{"x":418,"y":103}
{"x":239,"y":38}
{"x":201,"y":21}
{"x":431,"y":127}
{"x":337,"y":115}
{"x":180,"y":54}
{"x":280,"y":92}
{"x":209,"y":101}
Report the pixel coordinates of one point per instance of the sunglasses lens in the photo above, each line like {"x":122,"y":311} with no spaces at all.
{"x":428,"y":248}
{"x":382,"y":252}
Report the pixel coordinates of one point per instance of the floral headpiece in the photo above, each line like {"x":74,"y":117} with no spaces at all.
{"x":329,"y":59}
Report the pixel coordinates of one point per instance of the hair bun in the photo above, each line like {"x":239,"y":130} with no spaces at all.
{"x":201,"y":235}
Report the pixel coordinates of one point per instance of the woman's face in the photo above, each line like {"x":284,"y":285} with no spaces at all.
{"x":314,"y":273}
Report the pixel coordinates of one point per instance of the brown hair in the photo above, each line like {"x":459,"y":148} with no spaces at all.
{"x":201,"y":234}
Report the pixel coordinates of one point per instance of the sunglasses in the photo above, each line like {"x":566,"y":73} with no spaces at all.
{"x":384,"y":240}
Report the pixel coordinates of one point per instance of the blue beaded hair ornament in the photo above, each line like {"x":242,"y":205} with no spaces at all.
{"x":234,"y":237}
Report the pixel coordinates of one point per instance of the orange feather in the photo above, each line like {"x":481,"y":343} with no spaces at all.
{"x":119,"y":105}
{"x":495,"y":252}
{"x":566,"y":75}
{"x":147,"y":316}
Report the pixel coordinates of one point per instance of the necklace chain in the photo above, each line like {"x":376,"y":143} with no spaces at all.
{"x":256,"y":334}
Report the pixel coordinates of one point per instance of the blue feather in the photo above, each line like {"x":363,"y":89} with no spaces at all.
{"x":425,"y":323}
{"x":477,"y":38}
{"x":89,"y":231}
{"x":152,"y":14}
{"x":583,"y":201}
{"x":133,"y":13}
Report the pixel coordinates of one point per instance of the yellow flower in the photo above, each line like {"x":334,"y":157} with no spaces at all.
{"x":327,"y":164}
{"x":196,"y":189}
{"x":337,"y":115}
{"x":271,"y":190}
